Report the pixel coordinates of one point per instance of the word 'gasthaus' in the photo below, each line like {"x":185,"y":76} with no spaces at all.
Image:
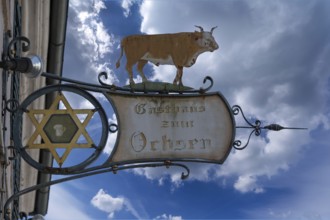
{"x":140,"y":142}
{"x":143,"y":108}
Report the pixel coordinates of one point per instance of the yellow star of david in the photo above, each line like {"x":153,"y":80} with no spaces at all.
{"x":59,"y":128}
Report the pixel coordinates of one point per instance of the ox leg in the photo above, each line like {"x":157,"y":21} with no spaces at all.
{"x":178,"y":77}
{"x":130,"y":74}
{"x":140,"y":66}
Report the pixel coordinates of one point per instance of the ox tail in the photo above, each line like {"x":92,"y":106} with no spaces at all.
{"x":121,"y":55}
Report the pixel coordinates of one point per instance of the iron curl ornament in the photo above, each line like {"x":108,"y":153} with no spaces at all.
{"x":256,"y":128}
{"x":154,"y":87}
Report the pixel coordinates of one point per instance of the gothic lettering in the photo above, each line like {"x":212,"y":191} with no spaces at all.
{"x":140,"y":108}
{"x":177,"y":124}
{"x":143,"y":108}
{"x":140,"y":143}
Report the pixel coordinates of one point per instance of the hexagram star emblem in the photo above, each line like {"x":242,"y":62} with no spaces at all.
{"x":59,"y":128}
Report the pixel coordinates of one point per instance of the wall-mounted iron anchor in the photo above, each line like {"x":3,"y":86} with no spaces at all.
{"x":30,"y":65}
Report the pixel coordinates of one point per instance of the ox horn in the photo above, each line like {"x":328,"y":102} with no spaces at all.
{"x":202,"y":30}
{"x":213,"y":29}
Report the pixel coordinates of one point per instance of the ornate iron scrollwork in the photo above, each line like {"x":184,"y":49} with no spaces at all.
{"x":256,"y":128}
{"x":161,"y":88}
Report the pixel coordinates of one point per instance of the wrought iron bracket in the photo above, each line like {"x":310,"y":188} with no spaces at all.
{"x":256,"y":128}
{"x":30,"y":65}
{"x":95,"y":171}
{"x":33,"y":67}
{"x":83,"y":89}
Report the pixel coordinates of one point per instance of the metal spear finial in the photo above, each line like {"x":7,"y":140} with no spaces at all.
{"x":256,"y":128}
{"x":276,"y":127}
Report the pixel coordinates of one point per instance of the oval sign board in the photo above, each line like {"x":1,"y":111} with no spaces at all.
{"x":197,"y":128}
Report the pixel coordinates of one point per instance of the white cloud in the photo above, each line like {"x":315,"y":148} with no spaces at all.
{"x":162,"y":174}
{"x":93,"y":41}
{"x":168,"y":217}
{"x":311,"y":193}
{"x":198,"y":172}
{"x":98,"y":6}
{"x":263,"y":159}
{"x":130,"y":208}
{"x":61,"y":199}
{"x":137,"y":79}
{"x":109,"y":204}
{"x":165,"y":73}
{"x":247,"y":184}
{"x":90,"y":29}
{"x":126,"y":5}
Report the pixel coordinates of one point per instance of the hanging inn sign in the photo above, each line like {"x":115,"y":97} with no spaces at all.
{"x":157,"y":123}
{"x":176,"y":127}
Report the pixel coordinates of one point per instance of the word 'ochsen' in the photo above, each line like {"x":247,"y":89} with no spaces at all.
{"x":139,"y":142}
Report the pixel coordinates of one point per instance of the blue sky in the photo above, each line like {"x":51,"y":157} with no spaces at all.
{"x":273,"y":61}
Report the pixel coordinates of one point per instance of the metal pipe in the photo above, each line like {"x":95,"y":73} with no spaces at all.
{"x":58,"y":20}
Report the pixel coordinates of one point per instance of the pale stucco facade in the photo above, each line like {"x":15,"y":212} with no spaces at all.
{"x":35,"y":24}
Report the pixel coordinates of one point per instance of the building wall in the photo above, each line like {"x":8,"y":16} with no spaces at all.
{"x":35,"y":26}
{"x":6,"y":15}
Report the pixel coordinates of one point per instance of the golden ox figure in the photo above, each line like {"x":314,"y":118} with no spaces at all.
{"x":179,"y":49}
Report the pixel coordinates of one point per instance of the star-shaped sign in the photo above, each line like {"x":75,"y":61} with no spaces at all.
{"x":60,"y":128}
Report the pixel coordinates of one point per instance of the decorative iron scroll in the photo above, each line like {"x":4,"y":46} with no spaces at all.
{"x":158,"y":87}
{"x":162,"y":88}
{"x":256,"y":128}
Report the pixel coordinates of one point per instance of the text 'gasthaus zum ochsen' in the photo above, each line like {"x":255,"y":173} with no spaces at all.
{"x":140,"y":142}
